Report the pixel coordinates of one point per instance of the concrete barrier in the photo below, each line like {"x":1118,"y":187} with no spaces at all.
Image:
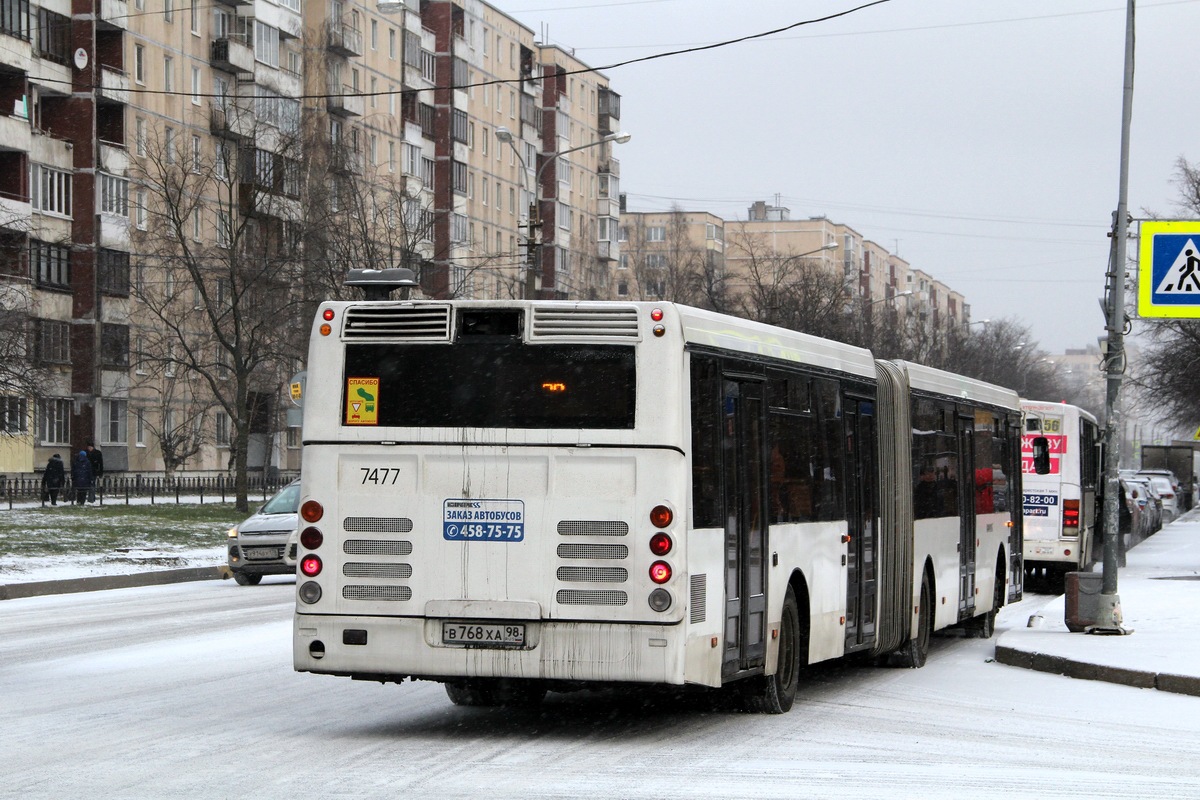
{"x":12,"y":591}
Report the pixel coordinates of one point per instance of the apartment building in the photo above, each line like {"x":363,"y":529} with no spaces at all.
{"x":761,"y":253}
{"x":423,"y":133}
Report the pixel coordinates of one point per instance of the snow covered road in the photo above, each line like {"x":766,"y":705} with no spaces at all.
{"x":188,"y":690}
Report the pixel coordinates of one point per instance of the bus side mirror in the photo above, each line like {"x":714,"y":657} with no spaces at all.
{"x":1041,"y":455}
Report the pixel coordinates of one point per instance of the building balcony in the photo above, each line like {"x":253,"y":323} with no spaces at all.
{"x":114,"y":232}
{"x":114,"y":85}
{"x":346,"y":162}
{"x":610,"y":167}
{"x":16,"y":54}
{"x":344,"y":40}
{"x":231,"y":55}
{"x":114,"y":14}
{"x":15,"y":133}
{"x":608,"y":251}
{"x":15,"y":213}
{"x":345,"y":105}
{"x":228,"y":120}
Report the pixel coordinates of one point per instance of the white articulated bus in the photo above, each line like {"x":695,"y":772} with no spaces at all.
{"x":1060,"y":459}
{"x":512,"y":497}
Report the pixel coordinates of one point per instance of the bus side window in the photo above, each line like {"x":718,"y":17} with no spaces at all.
{"x":1041,"y":455}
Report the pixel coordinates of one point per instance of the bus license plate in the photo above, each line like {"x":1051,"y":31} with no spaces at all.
{"x":484,"y":634}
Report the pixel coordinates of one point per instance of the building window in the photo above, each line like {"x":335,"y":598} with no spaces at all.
{"x":168,"y":10}
{"x":50,"y":190}
{"x":113,"y":271}
{"x":266,"y":44}
{"x":112,"y":421}
{"x":169,"y":145}
{"x":566,"y":216}
{"x":392,"y":43}
{"x":458,"y":176}
{"x":139,"y":428}
{"x":139,"y":63}
{"x":14,"y":414}
{"x":114,"y":195}
{"x":168,"y":74}
{"x":656,"y":233}
{"x":222,"y":429}
{"x":140,"y":212}
{"x":54,"y":421}
{"x":458,"y":228}
{"x":224,"y":229}
{"x":54,"y":35}
{"x":140,"y":136}
{"x":114,"y":345}
{"x":53,"y":341}
{"x":50,"y":264}
{"x":195,"y":86}
{"x":458,"y":126}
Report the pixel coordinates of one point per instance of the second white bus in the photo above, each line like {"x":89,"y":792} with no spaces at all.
{"x":1061,"y":466}
{"x":512,"y":497}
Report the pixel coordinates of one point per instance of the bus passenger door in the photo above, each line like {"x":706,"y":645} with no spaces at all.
{"x":745,"y":526}
{"x":860,"y":521}
{"x":966,"y":517}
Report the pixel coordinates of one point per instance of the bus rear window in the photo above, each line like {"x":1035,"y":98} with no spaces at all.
{"x":496,"y":383}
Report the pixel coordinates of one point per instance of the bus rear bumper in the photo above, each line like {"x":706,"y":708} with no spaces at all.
{"x":397,"y":647}
{"x":1053,"y":553}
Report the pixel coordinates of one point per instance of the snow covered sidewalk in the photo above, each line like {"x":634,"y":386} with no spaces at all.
{"x":1159,"y":590}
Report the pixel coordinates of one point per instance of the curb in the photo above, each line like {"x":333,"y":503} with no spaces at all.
{"x":1058,"y":665}
{"x":12,"y":591}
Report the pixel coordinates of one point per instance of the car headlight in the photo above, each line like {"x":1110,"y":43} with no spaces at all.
{"x":232,"y":532}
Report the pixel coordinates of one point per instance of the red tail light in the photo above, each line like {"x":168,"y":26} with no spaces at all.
{"x":1071,"y":517}
{"x":661,"y":516}
{"x":312,"y":511}
{"x":312,"y":538}
{"x":660,"y":544}
{"x":311,"y":566}
{"x":660,"y":572}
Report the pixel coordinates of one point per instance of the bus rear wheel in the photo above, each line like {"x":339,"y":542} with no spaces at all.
{"x":916,"y":650}
{"x":775,"y":694}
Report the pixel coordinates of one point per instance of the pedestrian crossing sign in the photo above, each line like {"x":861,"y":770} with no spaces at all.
{"x":1169,"y":270}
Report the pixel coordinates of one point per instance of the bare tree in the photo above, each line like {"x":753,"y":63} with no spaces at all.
{"x":800,"y":292}
{"x":221,"y":260}
{"x":22,"y":377}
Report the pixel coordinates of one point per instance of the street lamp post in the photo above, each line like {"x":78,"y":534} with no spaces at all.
{"x":533,"y":241}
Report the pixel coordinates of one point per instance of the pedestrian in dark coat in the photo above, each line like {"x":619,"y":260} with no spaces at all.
{"x":81,"y":477}
{"x":53,"y":479}
{"x":97,"y":460}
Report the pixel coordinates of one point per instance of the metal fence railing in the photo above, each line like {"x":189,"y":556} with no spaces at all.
{"x":124,"y":488}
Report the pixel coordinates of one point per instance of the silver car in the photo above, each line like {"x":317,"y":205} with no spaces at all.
{"x":1166,"y":488}
{"x":257,"y":545}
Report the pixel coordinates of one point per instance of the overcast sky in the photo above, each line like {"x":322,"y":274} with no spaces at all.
{"x":978,"y":139}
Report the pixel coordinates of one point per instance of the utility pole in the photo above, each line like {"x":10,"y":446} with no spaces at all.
{"x":1108,"y":612}
{"x":533,"y":250}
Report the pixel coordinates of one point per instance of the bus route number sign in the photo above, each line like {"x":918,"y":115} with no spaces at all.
{"x":468,"y":520}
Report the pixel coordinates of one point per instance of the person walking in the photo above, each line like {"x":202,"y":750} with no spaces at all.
{"x":53,"y":479}
{"x":96,"y":458}
{"x":81,"y":477}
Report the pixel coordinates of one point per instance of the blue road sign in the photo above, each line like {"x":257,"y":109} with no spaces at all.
{"x":1169,"y":270}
